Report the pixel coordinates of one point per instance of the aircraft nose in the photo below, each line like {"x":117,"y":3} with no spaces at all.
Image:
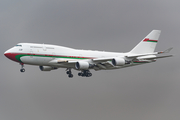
{"x":10,"y":55}
{"x":7,"y":54}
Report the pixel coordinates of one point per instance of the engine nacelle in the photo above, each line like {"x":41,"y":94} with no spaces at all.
{"x":118,"y":61}
{"x":82,"y":65}
{"x":46,"y":68}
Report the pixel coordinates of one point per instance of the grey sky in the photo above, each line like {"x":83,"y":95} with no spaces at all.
{"x":144,"y":92}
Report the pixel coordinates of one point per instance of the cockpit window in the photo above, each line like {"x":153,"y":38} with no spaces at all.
{"x":18,"y":45}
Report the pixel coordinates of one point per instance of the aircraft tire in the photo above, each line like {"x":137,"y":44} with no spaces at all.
{"x":79,"y":74}
{"x":68,"y":72}
{"x":89,"y":74}
{"x":83,"y":75}
{"x":22,"y":70}
{"x":70,"y":75}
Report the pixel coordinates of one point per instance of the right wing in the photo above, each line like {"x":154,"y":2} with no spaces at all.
{"x":107,"y":62}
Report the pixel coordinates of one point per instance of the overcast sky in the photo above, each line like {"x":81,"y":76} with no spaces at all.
{"x":147,"y":92}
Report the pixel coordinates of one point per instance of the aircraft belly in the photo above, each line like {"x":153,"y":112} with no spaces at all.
{"x":33,"y":60}
{"x":63,"y":65}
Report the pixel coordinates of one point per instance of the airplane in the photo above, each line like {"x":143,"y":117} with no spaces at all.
{"x":51,"y":57}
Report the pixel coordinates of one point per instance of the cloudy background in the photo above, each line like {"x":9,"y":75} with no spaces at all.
{"x":147,"y":92}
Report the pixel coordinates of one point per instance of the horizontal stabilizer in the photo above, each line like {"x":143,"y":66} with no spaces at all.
{"x":139,"y":55}
{"x":160,"y":57}
{"x":166,"y":51}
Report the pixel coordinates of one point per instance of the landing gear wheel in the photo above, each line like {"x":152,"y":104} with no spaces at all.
{"x":68,"y":72}
{"x":70,"y":75}
{"x":85,"y":73}
{"x":79,"y":74}
{"x":22,"y":70}
{"x":89,"y":75}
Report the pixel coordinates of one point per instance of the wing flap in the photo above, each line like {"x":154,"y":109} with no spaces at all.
{"x":103,"y":65}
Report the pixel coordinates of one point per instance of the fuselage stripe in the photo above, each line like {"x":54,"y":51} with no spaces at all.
{"x":19,"y":55}
{"x":148,"y":40}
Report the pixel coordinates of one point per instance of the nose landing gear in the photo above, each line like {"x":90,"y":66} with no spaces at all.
{"x":22,"y":67}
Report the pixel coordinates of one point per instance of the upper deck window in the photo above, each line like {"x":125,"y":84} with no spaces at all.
{"x":35,"y":47}
{"x":18,"y":46}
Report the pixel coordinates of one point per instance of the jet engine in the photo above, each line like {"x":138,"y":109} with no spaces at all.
{"x":82,"y":65}
{"x":46,"y":68}
{"x":118,"y":61}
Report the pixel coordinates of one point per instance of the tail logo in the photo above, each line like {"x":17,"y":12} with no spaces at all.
{"x":148,"y":40}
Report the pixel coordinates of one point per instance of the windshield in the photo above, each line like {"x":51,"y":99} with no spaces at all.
{"x":18,"y":45}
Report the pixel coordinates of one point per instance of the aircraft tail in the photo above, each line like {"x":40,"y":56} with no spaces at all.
{"x":148,"y":44}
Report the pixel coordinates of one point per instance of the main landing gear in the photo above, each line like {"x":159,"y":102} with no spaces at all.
{"x":85,"y":73}
{"x":70,"y":75}
{"x":22,"y":67}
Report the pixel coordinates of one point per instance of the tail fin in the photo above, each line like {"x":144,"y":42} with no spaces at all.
{"x":148,"y":44}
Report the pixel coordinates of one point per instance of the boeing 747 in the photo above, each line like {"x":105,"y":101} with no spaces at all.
{"x":51,"y":57}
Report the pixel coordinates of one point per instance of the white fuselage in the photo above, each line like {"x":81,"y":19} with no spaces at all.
{"x":42,"y":54}
{"x":50,"y":57}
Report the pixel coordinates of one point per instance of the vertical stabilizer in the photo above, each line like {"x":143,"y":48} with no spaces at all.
{"x":148,"y":44}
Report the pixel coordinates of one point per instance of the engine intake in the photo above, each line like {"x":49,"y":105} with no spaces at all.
{"x":46,"y":68}
{"x":118,"y":61}
{"x":81,"y":65}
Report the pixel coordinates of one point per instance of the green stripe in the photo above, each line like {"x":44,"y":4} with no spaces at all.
{"x":140,"y":62}
{"x":19,"y":56}
{"x":22,"y":55}
{"x":151,"y":41}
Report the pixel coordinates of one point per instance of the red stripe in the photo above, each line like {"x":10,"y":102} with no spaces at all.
{"x":147,"y":39}
{"x":12,"y":56}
